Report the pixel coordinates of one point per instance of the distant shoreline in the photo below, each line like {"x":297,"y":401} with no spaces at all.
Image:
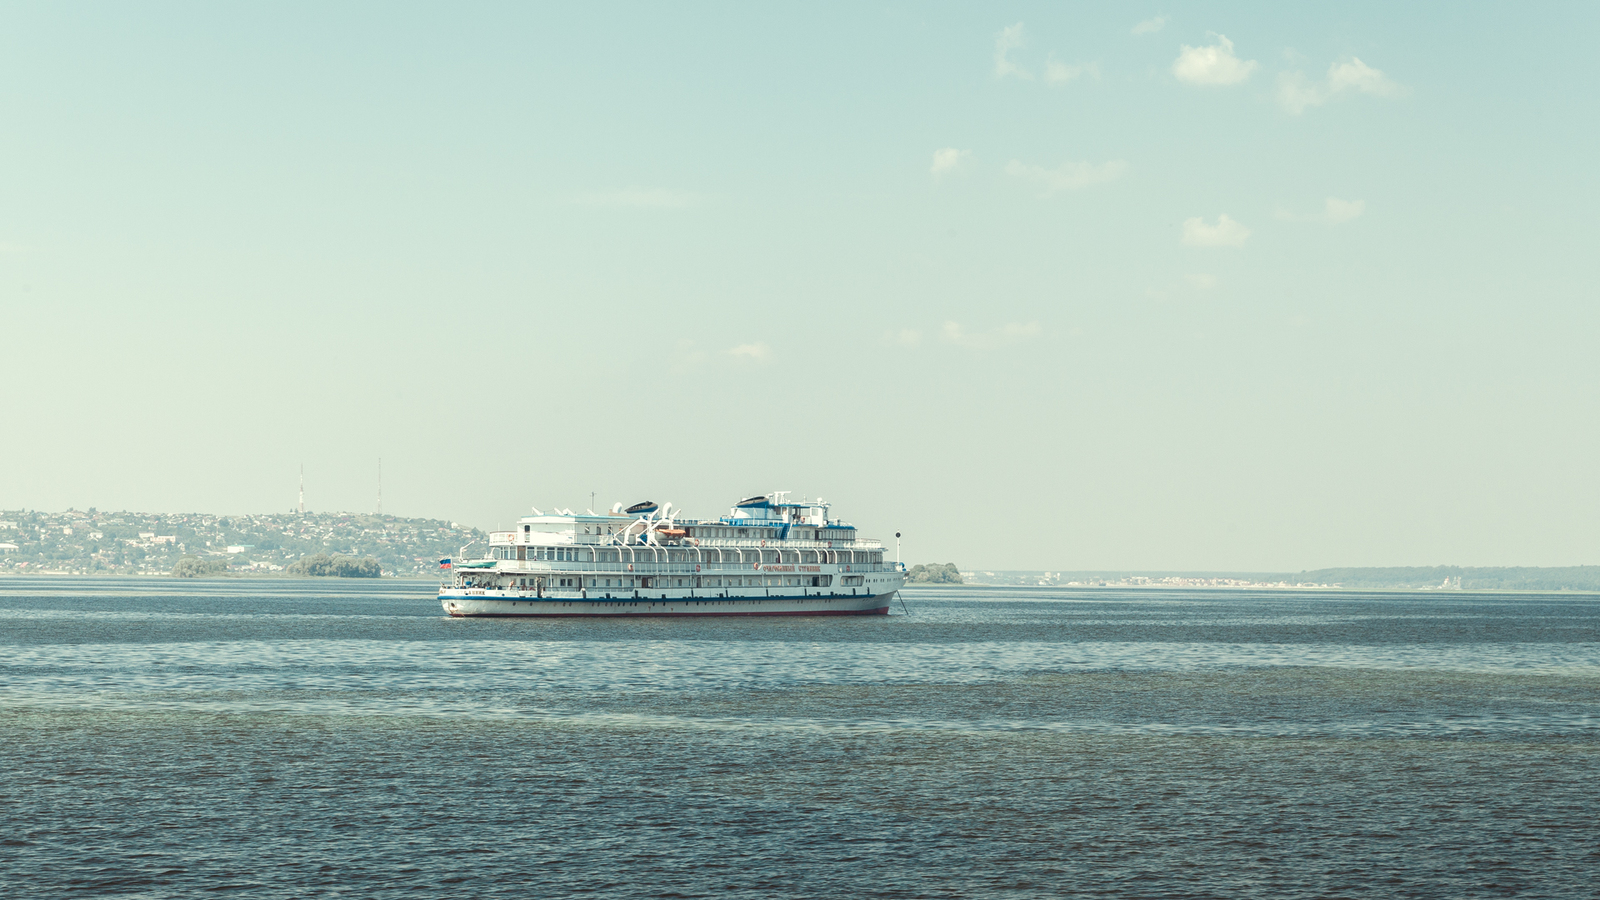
{"x":1263,"y":588}
{"x":933,"y":586}
{"x":1425,"y":579}
{"x":229,"y":576}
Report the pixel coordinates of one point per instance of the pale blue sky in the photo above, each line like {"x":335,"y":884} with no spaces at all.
{"x":523,"y":253}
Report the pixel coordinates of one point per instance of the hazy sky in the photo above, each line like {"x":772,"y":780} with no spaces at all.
{"x":1041,"y":286}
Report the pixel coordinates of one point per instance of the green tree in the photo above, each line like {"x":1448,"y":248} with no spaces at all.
{"x":198,"y":567}
{"x":934,"y":573}
{"x":337,"y":566}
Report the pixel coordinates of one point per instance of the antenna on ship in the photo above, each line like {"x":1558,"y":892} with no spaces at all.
{"x":302,"y":489}
{"x":897,"y":548}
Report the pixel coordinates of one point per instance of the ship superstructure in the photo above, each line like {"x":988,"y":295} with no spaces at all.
{"x":766,"y":557}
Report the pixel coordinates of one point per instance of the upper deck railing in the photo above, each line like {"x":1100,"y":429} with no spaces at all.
{"x":515,"y":567}
{"x":590,"y":540}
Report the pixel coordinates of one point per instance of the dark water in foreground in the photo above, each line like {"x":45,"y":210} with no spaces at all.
{"x":298,"y":739}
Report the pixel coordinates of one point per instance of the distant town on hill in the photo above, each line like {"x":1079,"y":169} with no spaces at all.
{"x":1396,"y":578}
{"x":93,"y":542}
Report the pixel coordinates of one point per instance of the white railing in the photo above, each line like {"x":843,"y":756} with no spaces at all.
{"x":518,"y":566}
{"x":510,"y":537}
{"x":782,"y":544}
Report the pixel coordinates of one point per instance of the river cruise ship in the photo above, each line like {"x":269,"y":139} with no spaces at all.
{"x":767,"y":557}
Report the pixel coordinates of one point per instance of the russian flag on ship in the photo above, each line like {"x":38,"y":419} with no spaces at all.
{"x":444,"y":563}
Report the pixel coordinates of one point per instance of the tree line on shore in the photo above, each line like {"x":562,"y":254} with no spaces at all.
{"x":320,"y":566}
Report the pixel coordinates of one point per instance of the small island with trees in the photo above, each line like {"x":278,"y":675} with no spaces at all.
{"x":337,"y":566}
{"x":934,"y":573}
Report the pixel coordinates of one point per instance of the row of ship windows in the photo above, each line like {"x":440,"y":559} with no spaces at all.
{"x":709,"y":532}
{"x":646,"y":582}
{"x":576,"y":554}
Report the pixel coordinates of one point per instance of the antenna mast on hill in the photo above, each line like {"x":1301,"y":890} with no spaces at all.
{"x":302,"y":489}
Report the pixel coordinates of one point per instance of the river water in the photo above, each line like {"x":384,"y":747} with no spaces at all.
{"x":281,"y":738}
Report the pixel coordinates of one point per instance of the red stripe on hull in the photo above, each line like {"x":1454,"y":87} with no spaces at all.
{"x":880,"y":611}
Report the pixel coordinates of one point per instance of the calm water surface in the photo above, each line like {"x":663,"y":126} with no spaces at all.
{"x":281,"y":738}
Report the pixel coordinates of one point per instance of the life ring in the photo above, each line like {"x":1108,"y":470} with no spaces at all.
{"x":763,"y":543}
{"x":630,"y":567}
{"x":756,"y":566}
{"x":697,"y":568}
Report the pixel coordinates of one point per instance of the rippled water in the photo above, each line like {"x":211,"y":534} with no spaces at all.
{"x":284,"y":738}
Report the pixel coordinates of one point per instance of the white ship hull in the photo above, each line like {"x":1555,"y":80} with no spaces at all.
{"x":476,"y":603}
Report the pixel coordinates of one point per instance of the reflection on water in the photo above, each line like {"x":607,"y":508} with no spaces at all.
{"x":298,"y":738}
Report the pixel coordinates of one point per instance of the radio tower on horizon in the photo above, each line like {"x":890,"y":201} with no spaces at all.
{"x":302,"y":489}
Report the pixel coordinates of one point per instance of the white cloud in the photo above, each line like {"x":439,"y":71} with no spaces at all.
{"x":1344,"y":210}
{"x":1296,"y":93}
{"x":1055,"y":72}
{"x":1201,"y":282}
{"x":1226,"y":233}
{"x":1215,"y":64}
{"x":1061,"y":73}
{"x":1334,"y":211}
{"x":954,"y":333}
{"x":948,"y":159}
{"x":636,"y":198}
{"x":1150,"y":26}
{"x":1356,"y":75}
{"x":1009,"y":39}
{"x":757,"y":350}
{"x":1069,"y":176}
{"x":905,"y":337}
